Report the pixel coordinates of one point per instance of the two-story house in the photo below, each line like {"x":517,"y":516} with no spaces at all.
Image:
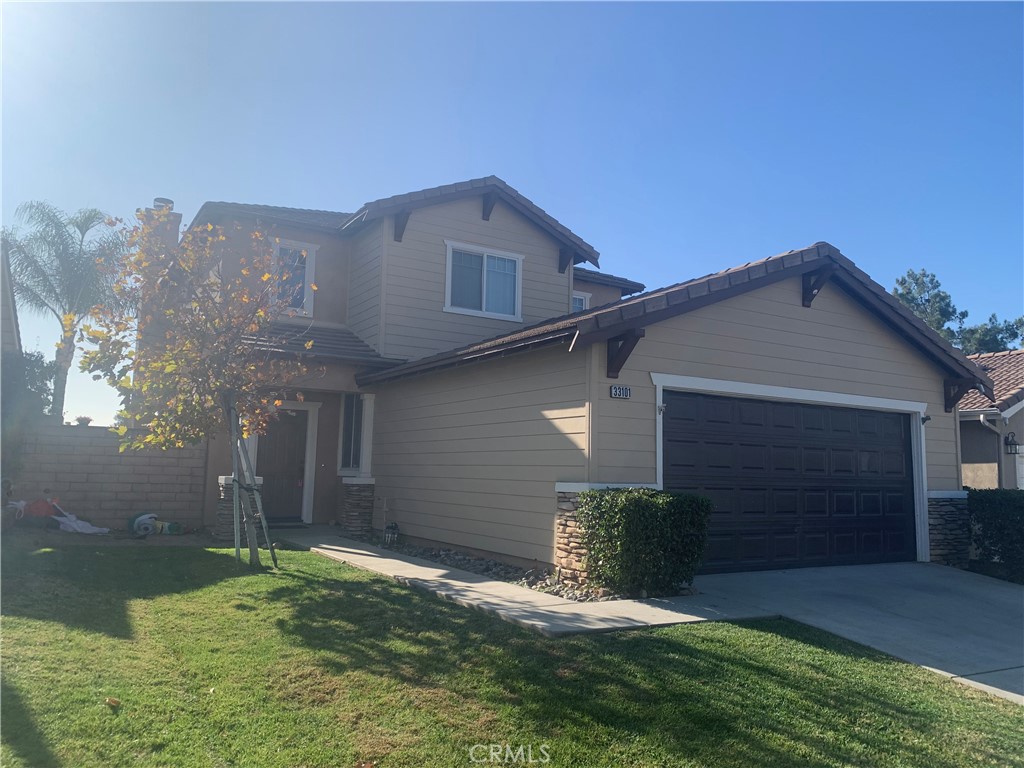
{"x":478,"y":371}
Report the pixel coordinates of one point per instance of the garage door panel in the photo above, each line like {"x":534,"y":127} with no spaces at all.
{"x":792,"y":484}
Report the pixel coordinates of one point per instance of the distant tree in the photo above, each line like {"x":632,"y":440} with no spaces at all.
{"x":923,"y":294}
{"x":25,"y":398}
{"x":196,"y":357}
{"x":992,"y":336}
{"x":28,"y":380}
{"x":64,"y":265}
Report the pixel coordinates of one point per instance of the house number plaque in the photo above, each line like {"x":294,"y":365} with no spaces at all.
{"x":619,"y":392}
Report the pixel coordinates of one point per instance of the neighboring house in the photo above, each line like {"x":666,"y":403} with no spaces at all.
{"x":990,"y":432}
{"x":474,"y":374}
{"x":10,"y":334}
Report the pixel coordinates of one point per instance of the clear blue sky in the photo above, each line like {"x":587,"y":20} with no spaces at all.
{"x":678,"y":139}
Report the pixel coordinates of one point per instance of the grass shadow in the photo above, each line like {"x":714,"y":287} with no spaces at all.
{"x":676,"y":687}
{"x":19,"y":730}
{"x":89,"y":587}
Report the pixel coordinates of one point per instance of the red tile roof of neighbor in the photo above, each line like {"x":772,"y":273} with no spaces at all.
{"x":654,"y":306}
{"x":1006,"y":369}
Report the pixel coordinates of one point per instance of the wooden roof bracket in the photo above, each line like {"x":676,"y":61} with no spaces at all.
{"x":954,"y":389}
{"x":620,"y":348}
{"x":814,"y":282}
{"x":489,"y":200}
{"x":566,"y":256}
{"x":401,"y":219}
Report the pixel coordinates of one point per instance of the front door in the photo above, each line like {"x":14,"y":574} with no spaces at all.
{"x":281,"y":462}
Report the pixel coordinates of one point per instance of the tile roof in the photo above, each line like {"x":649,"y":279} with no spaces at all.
{"x":481,"y":186}
{"x":329,"y":342}
{"x":1006,"y":369}
{"x":603,"y":278}
{"x":654,"y":306}
{"x":305,"y":217}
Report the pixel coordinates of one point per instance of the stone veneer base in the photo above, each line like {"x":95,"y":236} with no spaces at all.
{"x":355,"y":505}
{"x":949,"y":531}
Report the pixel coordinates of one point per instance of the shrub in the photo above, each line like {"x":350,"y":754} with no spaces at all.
{"x":997,"y":520}
{"x":640,"y":540}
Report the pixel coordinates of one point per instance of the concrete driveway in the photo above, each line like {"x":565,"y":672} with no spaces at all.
{"x":960,"y":624}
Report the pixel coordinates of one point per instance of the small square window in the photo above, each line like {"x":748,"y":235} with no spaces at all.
{"x":580,"y":301}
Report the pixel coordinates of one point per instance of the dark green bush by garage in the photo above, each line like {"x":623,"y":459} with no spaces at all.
{"x":997,"y":520}
{"x":641,"y":541}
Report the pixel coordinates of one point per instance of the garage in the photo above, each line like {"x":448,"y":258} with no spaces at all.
{"x":793,"y":484}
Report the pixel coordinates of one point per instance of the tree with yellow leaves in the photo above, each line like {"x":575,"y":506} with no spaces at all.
{"x":192,"y":346}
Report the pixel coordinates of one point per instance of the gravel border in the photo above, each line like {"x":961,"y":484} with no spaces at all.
{"x":538,"y":579}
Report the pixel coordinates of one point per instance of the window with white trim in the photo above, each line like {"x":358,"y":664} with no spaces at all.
{"x":351,"y":435}
{"x":580,"y":301}
{"x":483,"y":282}
{"x":296,"y":262}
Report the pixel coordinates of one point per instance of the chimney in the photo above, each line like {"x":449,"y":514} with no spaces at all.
{"x":168,"y":223}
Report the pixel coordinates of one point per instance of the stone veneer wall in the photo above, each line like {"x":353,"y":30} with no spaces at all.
{"x":569,"y":549}
{"x":355,"y":507}
{"x":84,"y":468}
{"x":949,"y":536}
{"x":224,"y":527}
{"x":949,"y":531}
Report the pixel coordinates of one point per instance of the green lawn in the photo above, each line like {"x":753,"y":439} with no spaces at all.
{"x":318,"y":664}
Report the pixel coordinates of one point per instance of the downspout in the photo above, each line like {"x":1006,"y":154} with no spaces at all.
{"x":999,"y":445}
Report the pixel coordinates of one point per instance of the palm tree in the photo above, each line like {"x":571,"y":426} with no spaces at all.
{"x":63,"y":266}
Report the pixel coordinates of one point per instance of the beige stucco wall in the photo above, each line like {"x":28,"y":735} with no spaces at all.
{"x":415,"y":324}
{"x":986,"y":464}
{"x":471,"y":456}
{"x":979,"y":451}
{"x":767,"y":337}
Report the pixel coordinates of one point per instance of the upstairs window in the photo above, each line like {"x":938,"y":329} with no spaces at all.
{"x":296,"y":263}
{"x":580,"y":301}
{"x":483,"y":282}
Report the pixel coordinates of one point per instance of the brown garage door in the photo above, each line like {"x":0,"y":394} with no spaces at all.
{"x":793,"y":484}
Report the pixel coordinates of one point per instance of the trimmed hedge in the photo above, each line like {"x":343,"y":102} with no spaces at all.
{"x":997,"y":522}
{"x":642,"y":541}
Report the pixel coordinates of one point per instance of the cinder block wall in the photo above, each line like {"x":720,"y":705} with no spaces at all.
{"x":84,"y":469}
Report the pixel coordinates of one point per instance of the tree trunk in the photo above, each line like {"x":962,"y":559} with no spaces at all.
{"x":64,"y":357}
{"x":235,"y":431}
{"x":249,"y":518}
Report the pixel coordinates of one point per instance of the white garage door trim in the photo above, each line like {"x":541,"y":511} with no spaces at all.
{"x":671,"y":381}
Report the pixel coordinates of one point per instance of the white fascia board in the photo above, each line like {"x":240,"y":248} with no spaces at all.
{"x":767,"y":392}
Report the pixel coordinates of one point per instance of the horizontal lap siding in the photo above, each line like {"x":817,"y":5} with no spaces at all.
{"x":470,"y":457}
{"x":364,"y":285}
{"x":767,"y":337}
{"x":415,"y":323}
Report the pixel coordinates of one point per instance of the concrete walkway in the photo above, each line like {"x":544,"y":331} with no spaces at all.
{"x":961,"y":625}
{"x":550,"y":615}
